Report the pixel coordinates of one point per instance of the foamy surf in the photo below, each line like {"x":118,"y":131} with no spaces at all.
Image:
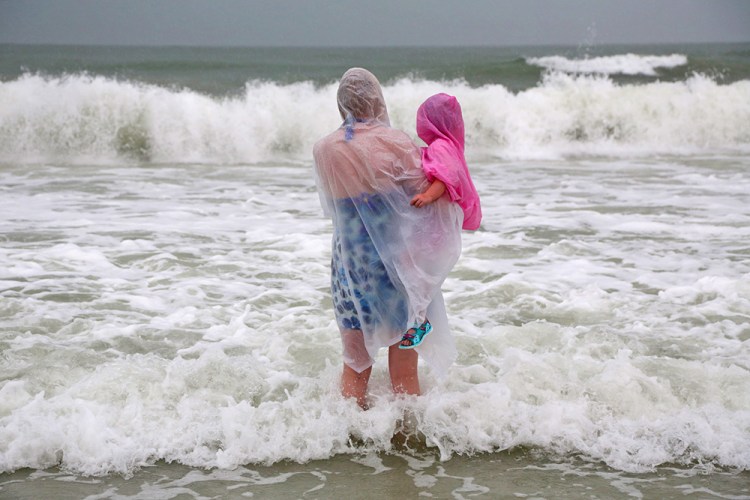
{"x":80,"y":119}
{"x":622,"y":64}
{"x":164,"y":275}
{"x":182,"y":314}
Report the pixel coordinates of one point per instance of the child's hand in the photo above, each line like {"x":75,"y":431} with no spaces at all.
{"x":421,"y":200}
{"x":435,"y":191}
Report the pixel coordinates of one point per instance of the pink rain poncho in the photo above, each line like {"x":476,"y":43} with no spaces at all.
{"x":441,"y":125}
{"x":389,"y":259}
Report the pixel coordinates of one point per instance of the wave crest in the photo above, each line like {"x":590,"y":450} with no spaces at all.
{"x":83,"y":119}
{"x":622,"y":64}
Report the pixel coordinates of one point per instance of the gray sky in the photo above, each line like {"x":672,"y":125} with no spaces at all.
{"x":378,"y":22}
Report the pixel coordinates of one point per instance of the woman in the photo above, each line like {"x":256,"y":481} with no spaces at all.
{"x":388,"y":258}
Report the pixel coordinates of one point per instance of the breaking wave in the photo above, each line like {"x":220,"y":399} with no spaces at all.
{"x":621,"y":64}
{"x":92,"y":119}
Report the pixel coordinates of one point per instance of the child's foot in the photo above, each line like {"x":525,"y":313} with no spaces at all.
{"x":414,"y":335}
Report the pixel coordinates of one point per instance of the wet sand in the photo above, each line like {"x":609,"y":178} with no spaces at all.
{"x":404,"y":474}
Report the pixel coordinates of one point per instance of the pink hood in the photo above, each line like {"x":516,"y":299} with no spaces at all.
{"x":441,"y":125}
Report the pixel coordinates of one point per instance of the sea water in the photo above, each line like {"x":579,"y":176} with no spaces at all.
{"x":165,"y":319}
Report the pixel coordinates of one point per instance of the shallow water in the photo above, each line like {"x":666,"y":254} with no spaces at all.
{"x":402,"y":474}
{"x":165,"y":322}
{"x":181,"y":313}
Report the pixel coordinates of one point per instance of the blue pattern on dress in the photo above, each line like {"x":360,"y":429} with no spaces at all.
{"x":363,"y":293}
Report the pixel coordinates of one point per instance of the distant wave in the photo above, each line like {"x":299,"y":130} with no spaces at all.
{"x":85,"y":119}
{"x":624,"y":64}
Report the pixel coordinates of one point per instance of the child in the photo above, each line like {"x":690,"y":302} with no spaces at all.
{"x":441,"y":126}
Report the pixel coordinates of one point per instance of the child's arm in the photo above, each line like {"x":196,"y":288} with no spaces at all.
{"x":435,"y":191}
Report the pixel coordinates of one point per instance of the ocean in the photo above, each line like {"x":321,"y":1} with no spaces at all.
{"x":166,"y":328}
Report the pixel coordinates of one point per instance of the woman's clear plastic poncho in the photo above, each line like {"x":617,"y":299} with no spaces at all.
{"x":389,"y":258}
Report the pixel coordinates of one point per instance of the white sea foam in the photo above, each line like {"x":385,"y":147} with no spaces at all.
{"x":82,"y":119}
{"x":621,"y":64}
{"x":601,"y":312}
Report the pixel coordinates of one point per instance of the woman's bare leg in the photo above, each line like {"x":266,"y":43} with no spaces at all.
{"x":354,"y":385}
{"x":402,"y":366}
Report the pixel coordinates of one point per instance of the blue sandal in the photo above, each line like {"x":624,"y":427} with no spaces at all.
{"x":416,"y":338}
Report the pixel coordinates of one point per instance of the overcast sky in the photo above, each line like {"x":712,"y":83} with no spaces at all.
{"x":377,"y":22}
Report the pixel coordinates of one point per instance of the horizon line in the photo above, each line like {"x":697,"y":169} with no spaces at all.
{"x":389,"y":46}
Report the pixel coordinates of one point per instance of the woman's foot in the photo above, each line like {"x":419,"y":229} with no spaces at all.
{"x":414,"y":335}
{"x":354,"y":385}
